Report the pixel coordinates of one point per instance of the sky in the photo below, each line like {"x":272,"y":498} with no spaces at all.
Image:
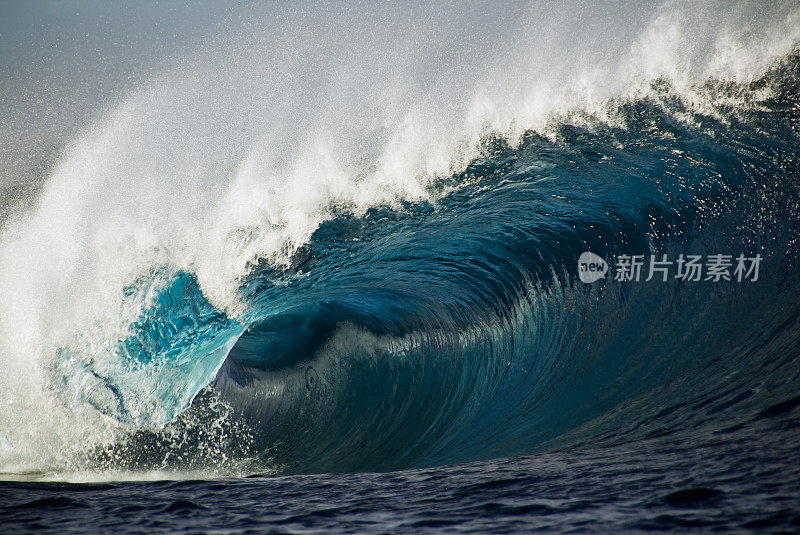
{"x":62,"y":64}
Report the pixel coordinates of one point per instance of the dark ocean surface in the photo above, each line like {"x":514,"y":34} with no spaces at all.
{"x":741,"y":479}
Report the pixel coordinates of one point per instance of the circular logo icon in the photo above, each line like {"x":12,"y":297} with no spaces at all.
{"x":591,"y":267}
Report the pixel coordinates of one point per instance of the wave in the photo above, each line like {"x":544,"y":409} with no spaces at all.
{"x":408,"y":295}
{"x":461,"y":332}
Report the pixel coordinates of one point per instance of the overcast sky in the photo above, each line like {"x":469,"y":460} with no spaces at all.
{"x":63,"y":63}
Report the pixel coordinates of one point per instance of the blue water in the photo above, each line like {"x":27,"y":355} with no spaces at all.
{"x":726,"y":481}
{"x":441,"y":367}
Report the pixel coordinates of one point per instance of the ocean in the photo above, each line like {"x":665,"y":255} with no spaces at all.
{"x":311,"y":277}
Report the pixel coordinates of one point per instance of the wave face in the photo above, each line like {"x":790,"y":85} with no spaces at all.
{"x":459,"y":332}
{"x":381,"y":316}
